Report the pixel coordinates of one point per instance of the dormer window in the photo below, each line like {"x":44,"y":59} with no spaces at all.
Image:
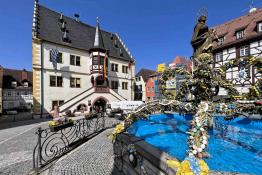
{"x":240,"y":34}
{"x":259,"y":27}
{"x":25,"y":84}
{"x":221,"y":40}
{"x":14,"y":84}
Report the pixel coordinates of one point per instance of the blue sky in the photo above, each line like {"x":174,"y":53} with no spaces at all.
{"x":155,"y":31}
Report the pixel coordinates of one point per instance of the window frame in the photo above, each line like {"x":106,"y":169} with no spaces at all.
{"x":245,"y":49}
{"x":124,"y":69}
{"x":95,"y":60}
{"x":57,"y":103}
{"x":55,"y":81}
{"x":259,"y":27}
{"x":114,"y":84}
{"x":26,"y":84}
{"x":73,"y":60}
{"x":74,"y":80}
{"x":14,"y":84}
{"x":221,"y":40}
{"x":219,"y":55}
{"x":114,"y":67}
{"x":124,"y":85}
{"x":240,"y":34}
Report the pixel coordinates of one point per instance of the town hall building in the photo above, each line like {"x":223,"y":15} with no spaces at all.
{"x":76,"y":65}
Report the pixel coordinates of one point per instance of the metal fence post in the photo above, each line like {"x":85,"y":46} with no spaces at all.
{"x":39,"y":146}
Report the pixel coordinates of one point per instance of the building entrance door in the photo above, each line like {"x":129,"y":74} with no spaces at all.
{"x":100,"y":105}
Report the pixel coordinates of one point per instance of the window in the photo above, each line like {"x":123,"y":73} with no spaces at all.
{"x":114,"y":67}
{"x":60,"y":57}
{"x":95,"y":60}
{"x":56,"y":81}
{"x":25,"y":84}
{"x":244,"y":51}
{"x":240,"y":34}
{"x":57,"y":103}
{"x":74,"y":60}
{"x":140,"y":87}
{"x":124,"y":85}
{"x":8,"y":93}
{"x":114,"y":84}
{"x":17,"y":93}
{"x":259,"y":27}
{"x":75,"y":82}
{"x":124,"y":69}
{"x":219,"y":56}
{"x":102,"y":60}
{"x":221,"y":40}
{"x":14,"y":84}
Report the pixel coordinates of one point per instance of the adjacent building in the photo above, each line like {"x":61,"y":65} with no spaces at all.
{"x":16,"y":89}
{"x":239,"y":38}
{"x":141,"y":86}
{"x":76,"y":65}
{"x":179,"y":62}
{"x":151,"y":93}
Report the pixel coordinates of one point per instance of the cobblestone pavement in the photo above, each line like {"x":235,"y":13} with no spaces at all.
{"x":12,"y":129}
{"x":95,"y":157}
{"x":16,"y":147}
{"x":17,"y":144}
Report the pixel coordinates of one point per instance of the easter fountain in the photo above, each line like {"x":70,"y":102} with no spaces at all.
{"x":152,"y":141}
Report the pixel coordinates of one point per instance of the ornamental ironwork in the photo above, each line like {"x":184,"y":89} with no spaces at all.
{"x":54,"y":144}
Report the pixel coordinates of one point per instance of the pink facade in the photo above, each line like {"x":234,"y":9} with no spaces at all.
{"x":150,"y":92}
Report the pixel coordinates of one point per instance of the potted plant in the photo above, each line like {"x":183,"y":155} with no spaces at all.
{"x":60,"y":124}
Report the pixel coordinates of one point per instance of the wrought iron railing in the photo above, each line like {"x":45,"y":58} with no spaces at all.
{"x":52,"y":145}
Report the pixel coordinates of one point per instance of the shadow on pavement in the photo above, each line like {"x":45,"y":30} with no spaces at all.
{"x":5,"y":124}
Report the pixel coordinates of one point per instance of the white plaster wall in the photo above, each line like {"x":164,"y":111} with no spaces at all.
{"x":143,"y":83}
{"x":85,"y":60}
{"x":83,"y":72}
{"x":122,"y":77}
{"x":65,"y":92}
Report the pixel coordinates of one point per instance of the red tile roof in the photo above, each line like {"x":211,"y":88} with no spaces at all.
{"x":247,"y":22}
{"x":10,"y":75}
{"x":181,"y":60}
{"x":145,"y":73}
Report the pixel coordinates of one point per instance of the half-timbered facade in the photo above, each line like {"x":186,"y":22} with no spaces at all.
{"x":239,"y":38}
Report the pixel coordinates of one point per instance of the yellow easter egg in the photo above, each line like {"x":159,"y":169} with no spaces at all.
{"x":173,"y":163}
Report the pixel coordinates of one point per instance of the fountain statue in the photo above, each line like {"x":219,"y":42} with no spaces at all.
{"x":203,"y":38}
